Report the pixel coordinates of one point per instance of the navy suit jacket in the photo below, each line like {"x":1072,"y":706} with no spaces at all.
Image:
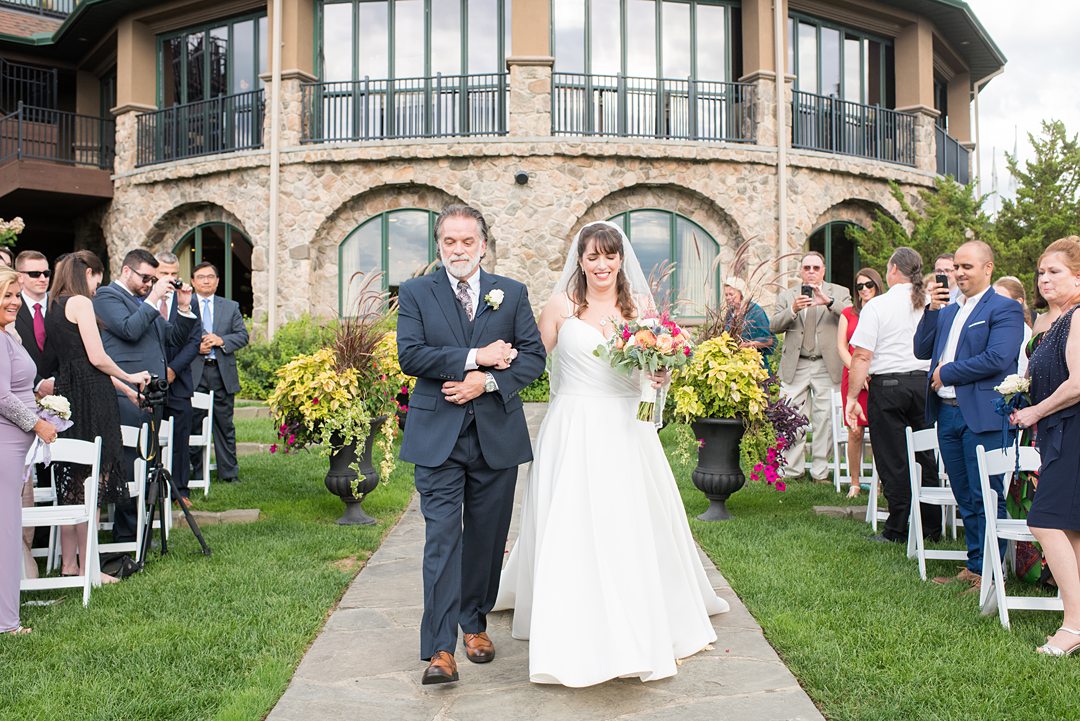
{"x":179,"y":357}
{"x":134,"y":333}
{"x":987,"y":350}
{"x":434,"y":341}
{"x":229,"y":326}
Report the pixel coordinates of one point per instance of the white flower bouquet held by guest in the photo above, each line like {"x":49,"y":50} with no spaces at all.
{"x":56,"y":410}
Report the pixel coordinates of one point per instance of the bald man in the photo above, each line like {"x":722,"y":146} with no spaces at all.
{"x":972,"y":346}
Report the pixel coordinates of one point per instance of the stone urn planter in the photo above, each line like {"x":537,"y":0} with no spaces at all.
{"x":718,"y":474}
{"x":340,"y":477}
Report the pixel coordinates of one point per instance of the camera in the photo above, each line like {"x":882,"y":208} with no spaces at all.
{"x":808,"y":291}
{"x":154,"y":393}
{"x":176,"y":283}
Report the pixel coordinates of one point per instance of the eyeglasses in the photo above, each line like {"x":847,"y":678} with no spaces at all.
{"x":149,"y":278}
{"x":813,"y":267}
{"x":203,"y":277}
{"x":38,"y":273}
{"x":864,"y":286}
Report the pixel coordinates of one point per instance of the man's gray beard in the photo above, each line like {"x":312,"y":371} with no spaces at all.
{"x":472,"y":267}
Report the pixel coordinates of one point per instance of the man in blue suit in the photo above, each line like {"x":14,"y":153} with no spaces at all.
{"x":972,"y":345}
{"x":471,"y":341}
{"x":178,"y":372}
{"x":135,"y":335}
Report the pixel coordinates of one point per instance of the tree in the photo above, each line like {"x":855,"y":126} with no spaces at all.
{"x":1047,"y":202}
{"x":947,"y":216}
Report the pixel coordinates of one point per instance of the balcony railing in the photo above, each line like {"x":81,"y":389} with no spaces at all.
{"x":26,"y":84}
{"x":54,"y":8}
{"x":431,"y":107}
{"x":651,"y":108}
{"x":32,"y":133}
{"x":952,"y":157}
{"x":207,"y":127}
{"x":840,"y":126}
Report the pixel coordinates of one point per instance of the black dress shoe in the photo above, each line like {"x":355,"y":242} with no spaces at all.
{"x":882,"y":538}
{"x":230,"y":480}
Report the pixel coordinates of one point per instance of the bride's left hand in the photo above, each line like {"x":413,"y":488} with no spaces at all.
{"x":659,"y":378}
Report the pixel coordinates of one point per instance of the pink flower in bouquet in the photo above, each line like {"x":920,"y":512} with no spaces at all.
{"x":620,"y":343}
{"x":665,"y":343}
{"x":686,"y":350}
{"x":626,"y":332}
{"x":645,"y":338}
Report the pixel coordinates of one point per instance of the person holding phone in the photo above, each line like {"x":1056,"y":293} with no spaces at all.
{"x":808,"y":315}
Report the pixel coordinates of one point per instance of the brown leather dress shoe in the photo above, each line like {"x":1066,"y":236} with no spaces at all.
{"x":479,"y":648}
{"x":441,"y":669}
{"x":965,"y":575}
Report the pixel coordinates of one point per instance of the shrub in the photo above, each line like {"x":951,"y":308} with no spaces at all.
{"x":259,"y":361}
{"x":537,"y":391}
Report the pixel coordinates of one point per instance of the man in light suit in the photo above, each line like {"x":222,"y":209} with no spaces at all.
{"x":810,"y":365}
{"x":135,"y":336}
{"x":178,"y":372}
{"x":465,"y":430}
{"x":972,"y":346}
{"x":214,"y":368}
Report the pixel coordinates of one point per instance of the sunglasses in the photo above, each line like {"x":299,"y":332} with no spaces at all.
{"x":38,"y":273}
{"x":866,"y":285}
{"x":149,"y":278}
{"x":813,"y":267}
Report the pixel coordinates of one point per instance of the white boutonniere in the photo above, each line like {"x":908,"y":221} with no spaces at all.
{"x":494,"y":299}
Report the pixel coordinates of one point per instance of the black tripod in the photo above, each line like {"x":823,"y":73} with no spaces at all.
{"x":159,"y":481}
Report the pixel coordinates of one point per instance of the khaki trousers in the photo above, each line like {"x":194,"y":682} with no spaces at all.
{"x":810,"y":391}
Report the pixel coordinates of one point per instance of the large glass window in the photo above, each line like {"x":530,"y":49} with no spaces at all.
{"x":398,"y":243}
{"x":211,"y":61}
{"x":661,"y":237}
{"x":840,"y":252}
{"x":229,"y":250}
{"x":381,"y":39}
{"x":673,"y":39}
{"x":840,"y":62}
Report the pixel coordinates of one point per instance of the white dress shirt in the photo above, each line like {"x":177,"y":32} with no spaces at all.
{"x":474,"y":298}
{"x":30,"y":303}
{"x":967,"y":305}
{"x":887,"y":329}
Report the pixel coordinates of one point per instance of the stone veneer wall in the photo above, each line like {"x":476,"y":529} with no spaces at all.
{"x":326,"y":190}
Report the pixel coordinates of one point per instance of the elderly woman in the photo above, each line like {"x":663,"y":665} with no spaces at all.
{"x":746,"y":320}
{"x":18,"y":424}
{"x":1054,"y":517}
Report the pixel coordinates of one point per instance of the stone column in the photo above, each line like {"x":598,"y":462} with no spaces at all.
{"x":530,"y":96}
{"x":292,"y":107}
{"x":127,"y":137}
{"x":925,"y":140}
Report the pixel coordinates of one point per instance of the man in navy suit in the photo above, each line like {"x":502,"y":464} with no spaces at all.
{"x":135,"y":335}
{"x":178,"y":372}
{"x":470,"y":339}
{"x":971,"y":344}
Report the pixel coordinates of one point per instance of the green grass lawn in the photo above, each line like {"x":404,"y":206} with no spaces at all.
{"x":865,"y":637}
{"x":202,"y":638}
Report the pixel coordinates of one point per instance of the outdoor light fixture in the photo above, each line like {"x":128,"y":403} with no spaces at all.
{"x":521,"y":177}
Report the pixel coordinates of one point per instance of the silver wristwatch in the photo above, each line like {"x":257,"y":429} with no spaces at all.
{"x":490,"y":386}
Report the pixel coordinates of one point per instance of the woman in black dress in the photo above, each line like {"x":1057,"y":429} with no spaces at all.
{"x":1054,"y":518}
{"x":82,"y":370}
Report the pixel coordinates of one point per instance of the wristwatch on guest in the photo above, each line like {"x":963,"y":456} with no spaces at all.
{"x":490,"y":386}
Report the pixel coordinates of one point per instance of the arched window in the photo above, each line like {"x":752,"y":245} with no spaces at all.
{"x":229,"y":250}
{"x":660,"y":235}
{"x":841,"y":253}
{"x":398,"y":243}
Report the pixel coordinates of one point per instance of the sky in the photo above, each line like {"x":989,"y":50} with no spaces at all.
{"x":1041,"y":79}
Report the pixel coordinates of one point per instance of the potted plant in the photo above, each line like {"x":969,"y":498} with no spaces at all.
{"x":338,"y":399}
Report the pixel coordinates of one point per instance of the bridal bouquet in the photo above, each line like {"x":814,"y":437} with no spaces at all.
{"x":649,"y":345}
{"x":55,"y":410}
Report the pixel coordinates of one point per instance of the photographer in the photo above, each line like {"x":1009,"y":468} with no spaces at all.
{"x":135,"y":334}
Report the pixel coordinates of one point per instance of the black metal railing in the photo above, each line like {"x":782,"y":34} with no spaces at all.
{"x":841,"y":126}
{"x":651,"y":108}
{"x":54,"y":8}
{"x":439,"y":106}
{"x":219,"y":125}
{"x":952,"y":157}
{"x":33,"y":133}
{"x":26,"y":84}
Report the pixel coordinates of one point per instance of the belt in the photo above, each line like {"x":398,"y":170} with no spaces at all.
{"x":949,"y":402}
{"x":908,"y":374}
{"x":810,"y":357}
{"x":210,"y":361}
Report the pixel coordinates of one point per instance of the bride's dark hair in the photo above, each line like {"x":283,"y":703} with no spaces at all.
{"x":608,"y":241}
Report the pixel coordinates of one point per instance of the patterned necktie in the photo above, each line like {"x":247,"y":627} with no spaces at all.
{"x":464,"y":298}
{"x":39,"y":327}
{"x":163,"y":308}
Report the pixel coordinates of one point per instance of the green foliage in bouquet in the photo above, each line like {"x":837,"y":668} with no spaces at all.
{"x":720,"y":381}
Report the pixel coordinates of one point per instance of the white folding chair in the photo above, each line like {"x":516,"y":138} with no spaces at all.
{"x":992,"y":596}
{"x":47,"y":495}
{"x":873,"y":513}
{"x":204,"y":439}
{"x":917,"y":441}
{"x":135,"y":438}
{"x":69,"y":450}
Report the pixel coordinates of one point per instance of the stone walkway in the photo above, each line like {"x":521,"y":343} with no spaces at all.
{"x":364,"y":664}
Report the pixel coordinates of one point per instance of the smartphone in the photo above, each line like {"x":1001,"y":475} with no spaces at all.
{"x":941,"y":279}
{"x":808,"y":291}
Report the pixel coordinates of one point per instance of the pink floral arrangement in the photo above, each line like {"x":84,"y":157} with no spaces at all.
{"x":769,"y":471}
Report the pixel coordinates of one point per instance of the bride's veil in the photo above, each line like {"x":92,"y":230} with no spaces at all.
{"x":639,"y":287}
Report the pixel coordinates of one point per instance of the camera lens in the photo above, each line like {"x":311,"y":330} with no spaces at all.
{"x":176,"y":283}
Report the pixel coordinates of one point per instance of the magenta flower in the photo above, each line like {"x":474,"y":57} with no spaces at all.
{"x":781,"y":486}
{"x":291,"y":439}
{"x":700,"y":442}
{"x":314,"y":401}
{"x":273,"y":447}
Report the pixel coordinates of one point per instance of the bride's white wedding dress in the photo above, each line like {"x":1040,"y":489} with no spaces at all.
{"x":605,"y":579}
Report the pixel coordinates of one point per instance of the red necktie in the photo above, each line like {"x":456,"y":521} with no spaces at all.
{"x":39,"y":327}
{"x":163,"y":308}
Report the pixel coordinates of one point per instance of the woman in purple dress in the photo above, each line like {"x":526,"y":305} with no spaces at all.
{"x":18,"y":424}
{"x":1054,"y":517}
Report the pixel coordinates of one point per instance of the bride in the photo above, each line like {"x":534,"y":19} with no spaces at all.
{"x":605,"y":579}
